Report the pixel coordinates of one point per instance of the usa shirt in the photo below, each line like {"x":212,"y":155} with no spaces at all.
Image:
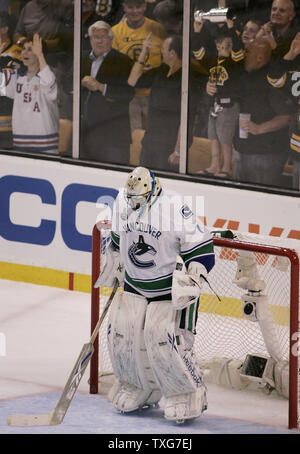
{"x":35,"y":116}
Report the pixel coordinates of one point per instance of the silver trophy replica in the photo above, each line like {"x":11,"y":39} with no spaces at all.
{"x":216,"y":15}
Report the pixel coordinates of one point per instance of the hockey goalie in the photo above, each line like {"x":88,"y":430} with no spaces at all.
{"x":165,"y":253}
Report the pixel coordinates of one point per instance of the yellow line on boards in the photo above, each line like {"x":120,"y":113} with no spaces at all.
{"x":228,"y":307}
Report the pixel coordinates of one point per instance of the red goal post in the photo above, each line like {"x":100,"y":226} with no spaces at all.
{"x":282,"y":288}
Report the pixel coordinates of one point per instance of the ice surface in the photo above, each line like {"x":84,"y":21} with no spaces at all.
{"x":45,"y":328}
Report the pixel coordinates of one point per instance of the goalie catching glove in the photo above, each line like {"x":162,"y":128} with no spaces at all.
{"x":113,"y":267}
{"x":186,"y":286}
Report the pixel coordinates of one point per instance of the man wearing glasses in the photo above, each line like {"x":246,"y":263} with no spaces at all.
{"x":106,"y":97}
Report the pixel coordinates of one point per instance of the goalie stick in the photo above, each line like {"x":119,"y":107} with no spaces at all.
{"x":58,"y":414}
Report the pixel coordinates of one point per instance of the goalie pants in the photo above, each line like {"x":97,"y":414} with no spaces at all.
{"x":150,"y":345}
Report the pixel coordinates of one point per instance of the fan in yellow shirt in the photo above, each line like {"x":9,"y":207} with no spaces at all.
{"x":129,"y":36}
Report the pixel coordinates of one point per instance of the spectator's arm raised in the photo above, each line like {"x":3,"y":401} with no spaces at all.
{"x":37,"y":49}
{"x":139,"y":66}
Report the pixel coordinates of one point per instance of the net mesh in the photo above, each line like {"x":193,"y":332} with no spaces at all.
{"x":222,"y":330}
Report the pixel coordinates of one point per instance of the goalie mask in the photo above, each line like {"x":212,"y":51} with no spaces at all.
{"x":142,"y":188}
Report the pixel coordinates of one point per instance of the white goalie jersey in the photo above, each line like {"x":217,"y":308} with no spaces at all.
{"x":151,"y":240}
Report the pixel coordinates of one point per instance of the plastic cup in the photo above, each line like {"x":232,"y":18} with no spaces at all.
{"x":244,"y":117}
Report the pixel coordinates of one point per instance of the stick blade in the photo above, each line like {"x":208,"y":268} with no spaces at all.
{"x":58,"y":414}
{"x":30,"y":420}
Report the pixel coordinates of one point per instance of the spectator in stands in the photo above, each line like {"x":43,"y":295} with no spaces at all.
{"x":250,"y":30}
{"x":222,"y":86}
{"x":260,"y":158}
{"x":293,"y":60}
{"x":7,"y":47}
{"x":10,"y":58}
{"x":170,"y":14}
{"x":38,"y":16}
{"x":93,"y":11}
{"x":239,"y":13}
{"x":53,"y":20}
{"x":202,"y":40}
{"x":241,"y":40}
{"x":88,"y":17}
{"x":203,"y":46}
{"x":210,"y":29}
{"x":281,"y":29}
{"x":106,"y":95}
{"x":245,"y":10}
{"x":160,"y":144}
{"x":109,"y":11}
{"x":284,"y":77}
{"x":35,"y":109}
{"x":129,"y":36}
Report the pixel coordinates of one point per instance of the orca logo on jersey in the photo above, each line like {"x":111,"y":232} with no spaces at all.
{"x":138,"y":249}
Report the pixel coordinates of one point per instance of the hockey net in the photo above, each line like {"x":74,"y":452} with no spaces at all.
{"x":223,"y":331}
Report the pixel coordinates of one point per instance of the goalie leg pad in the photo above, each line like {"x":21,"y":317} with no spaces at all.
{"x":185,"y":406}
{"x":175,"y":369}
{"x":126,"y":397}
{"x":135,"y":383}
